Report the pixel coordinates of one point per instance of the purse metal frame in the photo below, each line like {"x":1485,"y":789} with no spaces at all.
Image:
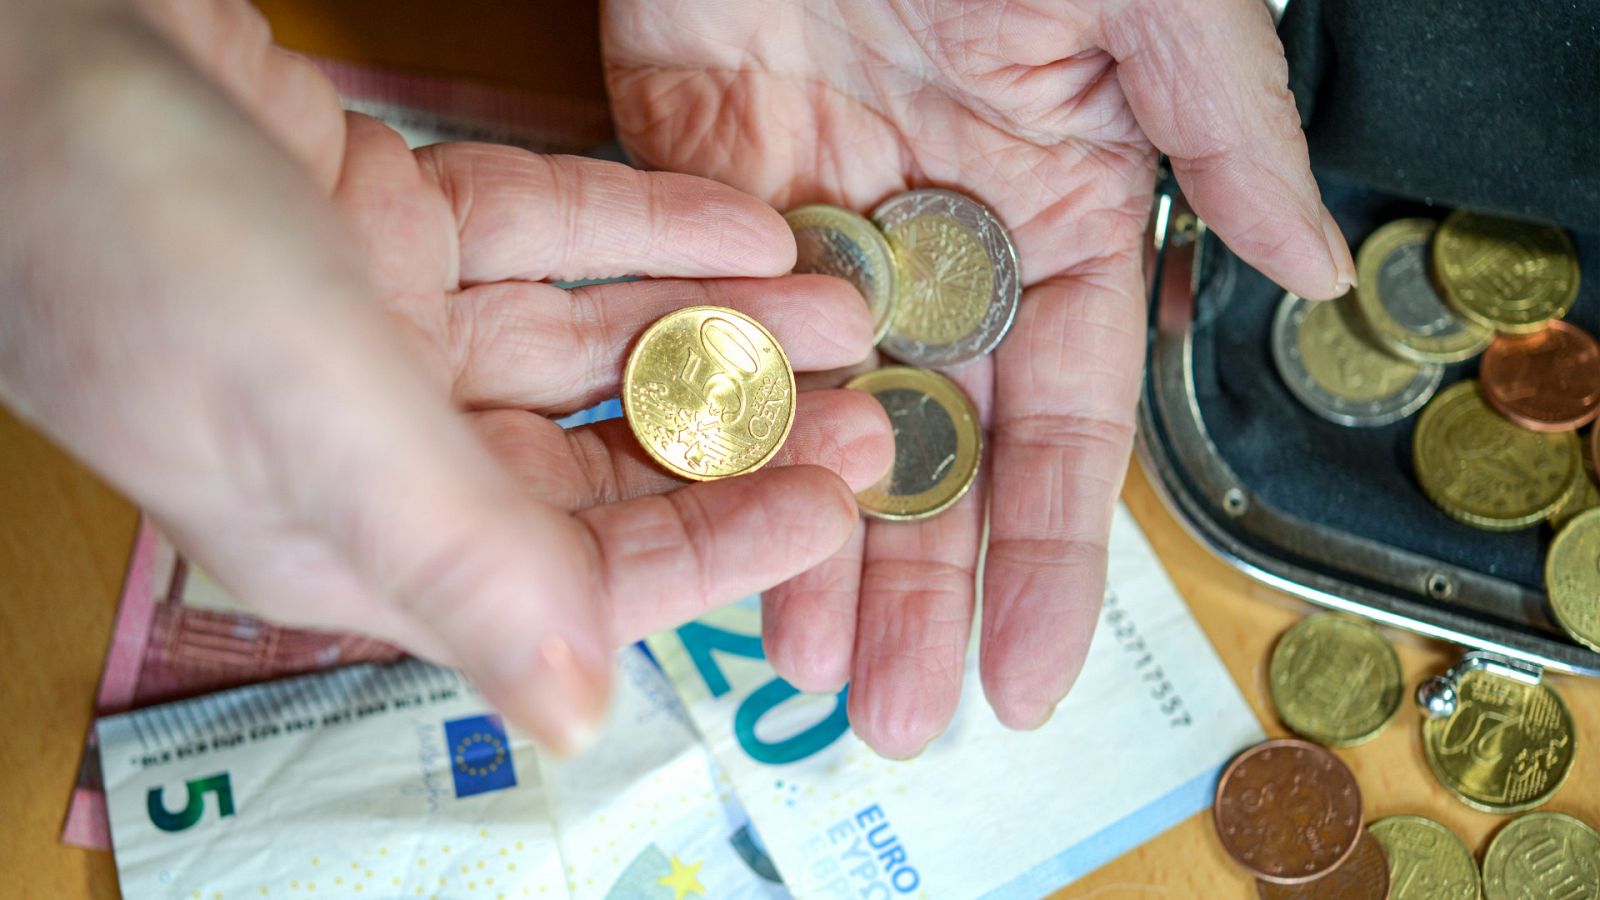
{"x":1502,"y":624}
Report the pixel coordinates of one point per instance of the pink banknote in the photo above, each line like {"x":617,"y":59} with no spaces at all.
{"x":164,"y":648}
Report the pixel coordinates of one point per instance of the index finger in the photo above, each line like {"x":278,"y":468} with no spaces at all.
{"x":520,"y":215}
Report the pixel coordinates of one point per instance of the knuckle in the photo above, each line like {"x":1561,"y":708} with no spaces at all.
{"x":1067,"y":433}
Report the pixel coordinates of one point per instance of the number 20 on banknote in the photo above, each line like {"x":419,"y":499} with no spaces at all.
{"x":701,"y":642}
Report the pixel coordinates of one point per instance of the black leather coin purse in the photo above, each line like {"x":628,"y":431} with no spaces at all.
{"x":1411,"y":109}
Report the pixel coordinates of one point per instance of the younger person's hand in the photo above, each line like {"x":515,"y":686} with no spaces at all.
{"x":327,"y":364}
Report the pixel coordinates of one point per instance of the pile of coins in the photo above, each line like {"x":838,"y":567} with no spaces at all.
{"x":1290,"y":812}
{"x":939,"y":275}
{"x":709,"y":394}
{"x":1501,"y":451}
{"x":1432,"y":295}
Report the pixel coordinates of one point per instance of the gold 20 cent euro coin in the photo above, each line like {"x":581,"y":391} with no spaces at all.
{"x":708,"y":393}
{"x":1506,"y":748}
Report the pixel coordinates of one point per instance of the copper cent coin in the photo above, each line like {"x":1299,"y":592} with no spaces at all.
{"x":1546,"y":381}
{"x":1364,"y":876}
{"x":1288,"y":810}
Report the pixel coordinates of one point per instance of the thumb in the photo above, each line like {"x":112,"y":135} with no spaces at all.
{"x":1209,"y":85}
{"x":188,"y":314}
{"x":506,"y":586}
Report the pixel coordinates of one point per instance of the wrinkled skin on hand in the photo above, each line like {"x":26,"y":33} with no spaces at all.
{"x":1051,"y":113}
{"x":328,"y":364}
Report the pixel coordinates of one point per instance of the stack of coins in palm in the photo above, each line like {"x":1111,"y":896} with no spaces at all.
{"x":939,"y":274}
{"x":709,"y":393}
{"x":1290,"y":811}
{"x":1501,"y":451}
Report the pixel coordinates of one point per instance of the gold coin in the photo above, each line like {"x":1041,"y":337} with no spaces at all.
{"x":1397,"y":298}
{"x":1572,"y":577}
{"x":708,"y":393}
{"x":834,"y":241}
{"x":1426,"y":860}
{"x":1507,"y":747}
{"x":1506,"y":275}
{"x":1543,"y":855}
{"x":1485,"y":470}
{"x":937,"y":443}
{"x":1335,"y":680}
{"x":1585,"y":496}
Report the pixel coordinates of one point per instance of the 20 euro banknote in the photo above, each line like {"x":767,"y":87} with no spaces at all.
{"x":983,"y":811}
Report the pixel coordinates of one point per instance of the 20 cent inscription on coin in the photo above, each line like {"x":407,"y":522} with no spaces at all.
{"x":1507,"y":747}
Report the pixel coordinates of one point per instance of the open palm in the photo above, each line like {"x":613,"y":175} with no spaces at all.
{"x":1051,"y":113}
{"x":331,"y":372}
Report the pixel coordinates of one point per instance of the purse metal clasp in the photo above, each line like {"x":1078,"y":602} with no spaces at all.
{"x":1437,"y":694}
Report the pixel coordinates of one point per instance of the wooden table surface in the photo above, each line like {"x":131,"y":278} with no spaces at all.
{"x":64,"y":539}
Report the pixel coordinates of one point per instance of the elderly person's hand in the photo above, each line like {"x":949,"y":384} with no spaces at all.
{"x":1051,"y":112}
{"x":327,"y":364}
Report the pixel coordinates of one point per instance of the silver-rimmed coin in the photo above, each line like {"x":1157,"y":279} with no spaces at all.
{"x":834,"y":241}
{"x":1398,"y":301}
{"x":957,"y":277}
{"x":1334,"y":370}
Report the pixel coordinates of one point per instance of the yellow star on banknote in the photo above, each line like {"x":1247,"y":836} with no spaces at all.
{"x":683,"y":880}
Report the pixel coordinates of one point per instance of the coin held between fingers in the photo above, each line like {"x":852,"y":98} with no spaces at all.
{"x":834,"y":241}
{"x":708,"y":393}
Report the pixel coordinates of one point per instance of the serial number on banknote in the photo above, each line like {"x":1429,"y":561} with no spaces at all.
{"x":1149,"y":672}
{"x":293,"y":722}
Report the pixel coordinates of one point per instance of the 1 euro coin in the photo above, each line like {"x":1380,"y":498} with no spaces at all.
{"x":938,"y":443}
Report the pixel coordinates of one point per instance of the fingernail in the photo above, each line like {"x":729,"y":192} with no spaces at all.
{"x":899,"y":721}
{"x":890,"y":755}
{"x":1048,"y":715}
{"x":1339,"y":252}
{"x":562,"y":695}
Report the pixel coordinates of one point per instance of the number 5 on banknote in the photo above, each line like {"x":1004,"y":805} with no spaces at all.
{"x":701,"y":642}
{"x":167,"y":820}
